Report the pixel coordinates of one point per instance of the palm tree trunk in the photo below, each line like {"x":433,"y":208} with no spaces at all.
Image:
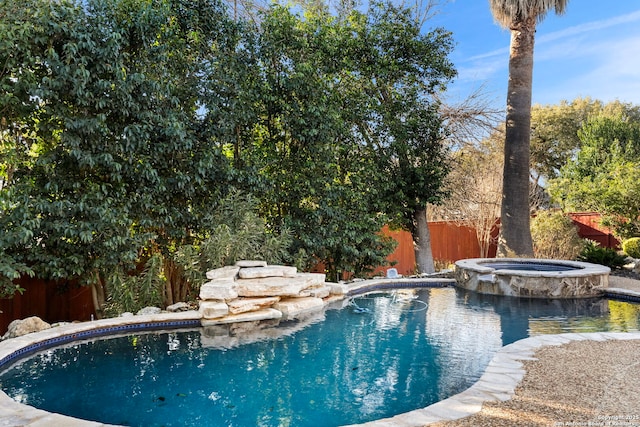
{"x":422,"y":242}
{"x":515,"y":235}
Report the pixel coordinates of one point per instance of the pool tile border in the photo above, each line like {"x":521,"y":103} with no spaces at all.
{"x":94,"y":333}
{"x":621,"y":294}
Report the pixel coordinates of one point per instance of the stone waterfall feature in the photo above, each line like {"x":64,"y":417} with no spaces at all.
{"x":253,"y":290}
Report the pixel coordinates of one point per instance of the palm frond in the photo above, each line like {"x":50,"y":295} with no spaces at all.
{"x":506,"y":12}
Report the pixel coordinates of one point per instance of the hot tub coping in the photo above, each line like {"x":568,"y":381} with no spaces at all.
{"x":581,"y":268}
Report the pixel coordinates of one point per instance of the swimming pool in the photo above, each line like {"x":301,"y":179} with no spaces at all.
{"x":424,"y":345}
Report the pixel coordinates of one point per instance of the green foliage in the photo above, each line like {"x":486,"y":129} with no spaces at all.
{"x":631,"y":247}
{"x":347,"y":103}
{"x":555,"y":129}
{"x":132,"y":292}
{"x":125,"y":123}
{"x":555,"y":236}
{"x":10,"y":271}
{"x":554,"y":133}
{"x":605,"y":174}
{"x":115,"y":161}
{"x":403,"y":69}
{"x":16,"y":233}
{"x":241,"y":234}
{"x":317,"y":176}
{"x":596,"y":254}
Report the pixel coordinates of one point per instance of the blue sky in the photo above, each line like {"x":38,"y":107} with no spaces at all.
{"x":592,"y":50}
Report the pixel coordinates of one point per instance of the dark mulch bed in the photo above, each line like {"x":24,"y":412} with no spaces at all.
{"x":625,"y":272}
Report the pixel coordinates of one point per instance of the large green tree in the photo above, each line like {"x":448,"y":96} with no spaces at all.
{"x":604,"y":176}
{"x":521,"y":17}
{"x":117,"y":165}
{"x":349,"y":133}
{"x":401,"y":68}
{"x":312,"y":175}
{"x":554,"y":131}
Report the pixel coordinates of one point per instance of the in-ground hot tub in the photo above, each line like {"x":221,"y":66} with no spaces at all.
{"x":534,"y":278}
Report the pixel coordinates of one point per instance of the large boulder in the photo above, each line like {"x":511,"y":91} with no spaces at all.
{"x":279,"y":286}
{"x":251,"y":316}
{"x":267,"y":271}
{"x":218,"y":289}
{"x":243,"y":305}
{"x":21,"y":327}
{"x":227,"y":272}
{"x":270,"y":286}
{"x":213,"y":309}
{"x":293,"y":307}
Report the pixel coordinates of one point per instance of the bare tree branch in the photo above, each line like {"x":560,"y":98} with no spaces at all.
{"x":472,"y":119}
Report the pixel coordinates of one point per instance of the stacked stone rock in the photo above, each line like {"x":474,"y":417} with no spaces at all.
{"x":253,"y":290}
{"x":20,"y":327}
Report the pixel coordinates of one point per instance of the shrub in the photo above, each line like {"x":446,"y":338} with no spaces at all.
{"x":596,"y":254}
{"x":128,"y":292}
{"x":631,"y":247}
{"x":555,"y":236}
{"x":239,"y":234}
{"x":166,"y":278}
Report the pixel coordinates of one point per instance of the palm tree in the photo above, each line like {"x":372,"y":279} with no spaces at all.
{"x":520,"y":16}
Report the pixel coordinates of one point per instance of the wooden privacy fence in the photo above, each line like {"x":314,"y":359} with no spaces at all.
{"x":53,"y":301}
{"x":62,"y":301}
{"x":451,"y":242}
{"x":589,"y":227}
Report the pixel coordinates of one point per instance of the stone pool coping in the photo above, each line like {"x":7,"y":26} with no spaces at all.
{"x":498,"y":383}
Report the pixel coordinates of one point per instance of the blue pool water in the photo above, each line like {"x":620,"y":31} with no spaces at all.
{"x":381,"y":355}
{"x":529,"y":266}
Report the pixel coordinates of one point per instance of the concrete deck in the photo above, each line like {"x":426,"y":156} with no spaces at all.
{"x":623,"y":288}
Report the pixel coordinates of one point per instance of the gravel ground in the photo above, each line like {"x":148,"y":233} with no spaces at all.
{"x":583,"y":383}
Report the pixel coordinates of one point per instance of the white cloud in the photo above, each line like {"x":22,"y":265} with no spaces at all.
{"x":590,"y":27}
{"x":599,"y":59}
{"x":483,"y":70}
{"x":492,"y":54}
{"x":610,"y":70}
